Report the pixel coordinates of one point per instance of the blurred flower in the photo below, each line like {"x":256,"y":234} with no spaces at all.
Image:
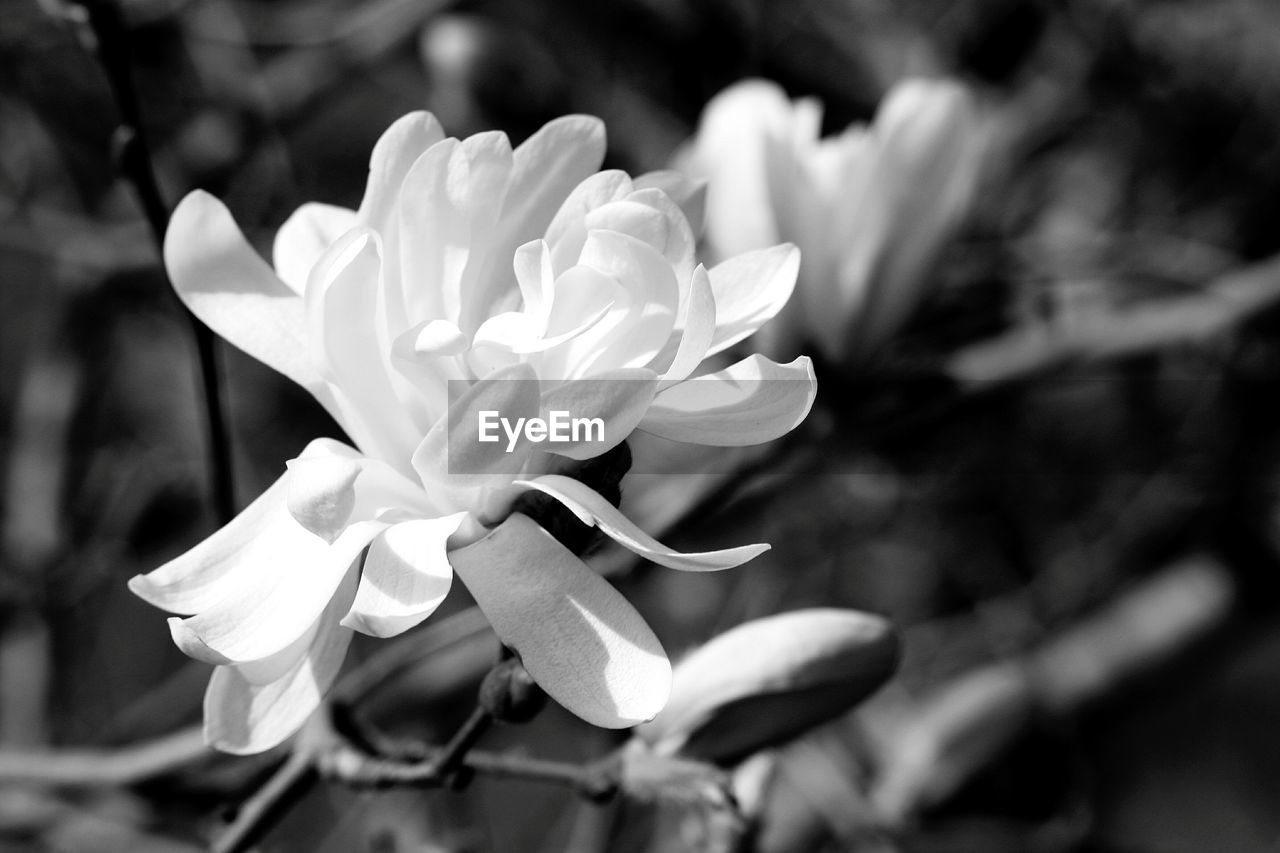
{"x":473,"y":263}
{"x":870,"y":208}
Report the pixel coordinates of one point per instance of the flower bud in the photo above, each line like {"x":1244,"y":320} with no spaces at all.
{"x":766,"y":681}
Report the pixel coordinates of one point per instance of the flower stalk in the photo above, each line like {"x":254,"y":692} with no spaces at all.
{"x":108,"y":36}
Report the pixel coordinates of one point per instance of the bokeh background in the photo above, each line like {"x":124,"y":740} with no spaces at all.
{"x":1077,"y":538}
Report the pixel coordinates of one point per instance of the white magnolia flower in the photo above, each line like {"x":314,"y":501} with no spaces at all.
{"x":870,"y":208}
{"x":471,"y":262}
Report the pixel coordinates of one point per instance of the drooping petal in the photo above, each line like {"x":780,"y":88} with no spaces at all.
{"x":592,"y":509}
{"x":274,"y":584}
{"x":244,"y":716}
{"x":577,"y":636}
{"x":752,"y":401}
{"x":406,"y":576}
{"x":233,"y":291}
{"x":619,"y":398}
{"x":750,"y":289}
{"x":394,"y":154}
{"x":303,"y":238}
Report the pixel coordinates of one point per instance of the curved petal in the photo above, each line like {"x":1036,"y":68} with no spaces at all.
{"x":577,"y":636}
{"x":243,"y":716}
{"x":275,"y":583}
{"x":206,"y":574}
{"x":303,"y":238}
{"x":406,"y":576}
{"x":750,"y":289}
{"x":223,"y":281}
{"x":697,"y":330}
{"x":592,"y":509}
{"x":619,"y":398}
{"x":752,"y":401}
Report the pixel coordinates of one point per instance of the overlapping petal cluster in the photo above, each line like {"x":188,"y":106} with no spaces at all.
{"x":467,"y":264}
{"x":869,"y":208}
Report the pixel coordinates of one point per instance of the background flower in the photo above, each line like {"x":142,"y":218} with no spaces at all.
{"x":870,"y":208}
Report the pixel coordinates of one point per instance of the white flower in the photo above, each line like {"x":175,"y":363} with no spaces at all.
{"x":473,"y":263}
{"x":870,"y":208}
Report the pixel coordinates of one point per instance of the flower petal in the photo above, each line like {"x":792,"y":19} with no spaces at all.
{"x":697,"y":330}
{"x":303,"y":238}
{"x":406,"y":576}
{"x":750,"y":289}
{"x":619,"y":398}
{"x":244,"y":717}
{"x":393,"y":155}
{"x":452,"y":461}
{"x":689,"y":193}
{"x":577,"y":636}
{"x":592,"y":509}
{"x":546,"y":168}
{"x":223,"y":281}
{"x":341,"y":301}
{"x":752,"y":401}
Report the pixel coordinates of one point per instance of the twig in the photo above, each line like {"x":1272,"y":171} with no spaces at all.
{"x":110,"y":38}
{"x":101,"y":767}
{"x":1029,"y":352}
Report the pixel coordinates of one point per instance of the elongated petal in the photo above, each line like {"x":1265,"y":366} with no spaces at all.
{"x":406,"y":576}
{"x":750,"y":289}
{"x":303,"y":238}
{"x":244,"y":717}
{"x":576,"y":635}
{"x":234,"y":292}
{"x":752,"y":401}
{"x":592,"y":509}
{"x":619,"y":398}
{"x":341,"y":303}
{"x":397,"y":149}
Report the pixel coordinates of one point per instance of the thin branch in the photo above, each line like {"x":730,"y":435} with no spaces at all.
{"x":101,"y":767}
{"x":110,"y":40}
{"x":1028,"y":352}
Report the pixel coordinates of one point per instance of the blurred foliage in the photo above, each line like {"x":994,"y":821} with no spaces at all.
{"x":1139,"y":159}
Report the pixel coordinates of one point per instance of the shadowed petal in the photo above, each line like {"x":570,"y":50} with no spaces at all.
{"x":619,"y":398}
{"x":406,"y":576}
{"x":576,"y":635}
{"x":397,"y":149}
{"x":592,"y":509}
